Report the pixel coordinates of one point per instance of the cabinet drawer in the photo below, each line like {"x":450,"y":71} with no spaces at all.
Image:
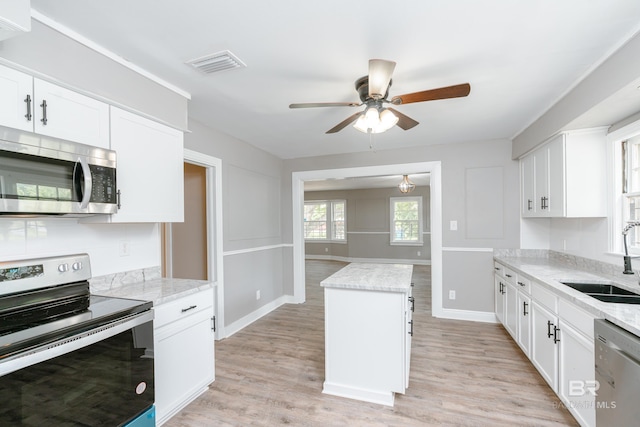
{"x":510,"y":275}
{"x":498,"y":268}
{"x":577,"y":317}
{"x":183,"y":307}
{"x":524,"y":284}
{"x":544,"y":297}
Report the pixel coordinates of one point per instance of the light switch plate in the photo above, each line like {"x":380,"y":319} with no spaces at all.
{"x":453,"y":225}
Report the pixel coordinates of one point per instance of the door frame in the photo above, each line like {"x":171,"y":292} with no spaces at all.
{"x":297,"y":187}
{"x":215,"y":260}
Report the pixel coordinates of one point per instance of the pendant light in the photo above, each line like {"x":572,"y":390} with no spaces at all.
{"x":406,"y":186}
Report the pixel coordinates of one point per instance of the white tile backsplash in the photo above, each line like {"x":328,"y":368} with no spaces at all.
{"x":34,"y":238}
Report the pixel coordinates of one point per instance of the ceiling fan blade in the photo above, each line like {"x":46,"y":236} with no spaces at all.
{"x":456,"y":91}
{"x":404,"y":122}
{"x":343,"y":124}
{"x":324,"y":104}
{"x":380,"y":71}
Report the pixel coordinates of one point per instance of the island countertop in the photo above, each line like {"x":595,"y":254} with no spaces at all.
{"x":372,"y":277}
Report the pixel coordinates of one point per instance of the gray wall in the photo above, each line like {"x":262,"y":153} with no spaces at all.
{"x":46,"y":51}
{"x":471,"y":203}
{"x":255,"y":257}
{"x":368,"y":223}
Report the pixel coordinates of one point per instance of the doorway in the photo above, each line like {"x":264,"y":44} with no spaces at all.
{"x":187,"y":241}
{"x":193,"y":249}
{"x":297,"y":184}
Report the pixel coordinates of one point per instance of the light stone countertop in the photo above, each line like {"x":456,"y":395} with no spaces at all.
{"x":159,"y":290}
{"x":549,"y":274}
{"x":371,"y":277}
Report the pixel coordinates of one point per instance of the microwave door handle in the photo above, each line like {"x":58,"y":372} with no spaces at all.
{"x":88,"y":181}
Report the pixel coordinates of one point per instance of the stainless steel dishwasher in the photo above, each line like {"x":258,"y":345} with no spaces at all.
{"x":617,"y":360}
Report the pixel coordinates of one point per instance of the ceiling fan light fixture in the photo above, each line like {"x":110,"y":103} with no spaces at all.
{"x":380,"y":72}
{"x":406,"y":186}
{"x":361,"y":124}
{"x":387,"y":120}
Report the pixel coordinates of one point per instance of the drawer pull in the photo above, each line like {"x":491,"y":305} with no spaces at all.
{"x":521,"y":284}
{"x":189,"y":308}
{"x":508,"y":275}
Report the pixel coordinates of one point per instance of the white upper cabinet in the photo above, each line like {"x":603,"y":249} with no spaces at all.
{"x":16,"y":99}
{"x":150,"y":171}
{"x":66,"y":114}
{"x":34,"y":105}
{"x":566,"y":177}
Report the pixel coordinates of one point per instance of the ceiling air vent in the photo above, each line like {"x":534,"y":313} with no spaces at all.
{"x":215,"y":62}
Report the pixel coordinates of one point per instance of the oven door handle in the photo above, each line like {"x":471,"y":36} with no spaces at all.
{"x":82,"y":181}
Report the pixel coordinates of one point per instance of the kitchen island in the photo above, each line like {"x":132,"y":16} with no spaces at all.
{"x":368,"y":329}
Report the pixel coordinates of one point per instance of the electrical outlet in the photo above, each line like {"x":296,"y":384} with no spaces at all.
{"x":326,"y":249}
{"x":453,"y":225}
{"x":124,"y":248}
{"x":257,"y":294}
{"x":452,"y":294}
{"x":419,"y":253}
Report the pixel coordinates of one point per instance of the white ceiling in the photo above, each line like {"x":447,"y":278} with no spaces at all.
{"x":520,"y":57}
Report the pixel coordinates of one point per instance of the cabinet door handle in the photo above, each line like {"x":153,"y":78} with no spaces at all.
{"x":412,"y":300}
{"x":189,"y":308}
{"x":529,"y":204}
{"x":213,"y":323}
{"x":544,"y":203}
{"x":556,"y":340}
{"x":549,"y":324}
{"x":44,"y":112}
{"x":524,"y":308}
{"x":28,"y":101}
{"x":118,"y":197}
{"x":411,"y":329}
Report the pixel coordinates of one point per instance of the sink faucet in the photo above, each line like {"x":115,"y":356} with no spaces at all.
{"x":627,"y":258}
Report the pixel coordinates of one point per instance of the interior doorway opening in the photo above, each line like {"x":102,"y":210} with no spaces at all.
{"x":297,"y":184}
{"x":193,"y":249}
{"x":186,"y":241}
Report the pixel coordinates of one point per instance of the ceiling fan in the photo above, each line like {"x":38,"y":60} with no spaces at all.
{"x":373,"y":90}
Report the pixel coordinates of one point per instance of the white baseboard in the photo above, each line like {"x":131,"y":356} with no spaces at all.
{"x":257,"y":314}
{"x":474,"y":316}
{"x":376,"y":260}
{"x":373,"y":396}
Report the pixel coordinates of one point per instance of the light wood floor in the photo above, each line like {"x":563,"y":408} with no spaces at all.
{"x":462,"y":373}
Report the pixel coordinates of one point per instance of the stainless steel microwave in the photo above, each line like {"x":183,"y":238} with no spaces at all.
{"x":48,"y":176}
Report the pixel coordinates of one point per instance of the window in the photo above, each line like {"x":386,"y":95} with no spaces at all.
{"x":325,"y":220}
{"x":631,"y":189}
{"x":406,"y":220}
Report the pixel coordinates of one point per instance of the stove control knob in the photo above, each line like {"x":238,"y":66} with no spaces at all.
{"x":76,"y":266}
{"x":63,"y":267}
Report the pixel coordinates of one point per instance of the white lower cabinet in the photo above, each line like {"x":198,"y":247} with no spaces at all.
{"x":511,"y":310}
{"x":544,"y":343}
{"x":576,"y":384}
{"x":524,"y":323}
{"x":556,"y":335}
{"x":367,"y":344}
{"x":499,"y":296}
{"x":184,"y":352}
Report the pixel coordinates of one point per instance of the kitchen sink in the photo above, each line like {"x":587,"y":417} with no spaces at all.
{"x":605,"y":292}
